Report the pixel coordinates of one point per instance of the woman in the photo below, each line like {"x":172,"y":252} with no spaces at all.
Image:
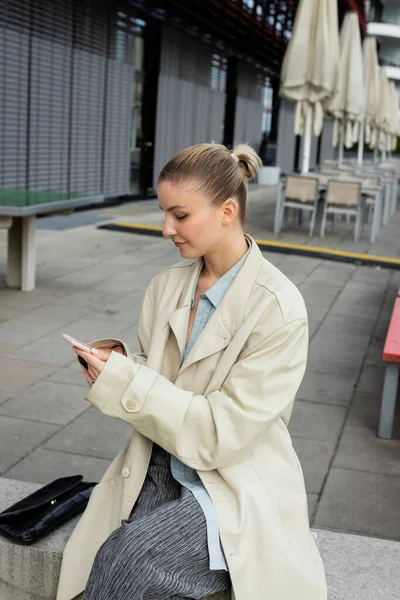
{"x":209,"y":494}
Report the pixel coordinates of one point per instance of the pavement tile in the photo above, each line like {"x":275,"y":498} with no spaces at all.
{"x":327,"y":388}
{"x":365,"y":410}
{"x":92,"y":434}
{"x":54,"y":350}
{"x":19,"y":437}
{"x":71,"y":374}
{"x":43,"y":466}
{"x":315,"y":457}
{"x":313,"y":325}
{"x":61,"y":315}
{"x":371,"y":379}
{"x":316,"y":421}
{"x":312,"y":500}
{"x":351,"y":324}
{"x":360,"y":502}
{"x":360,"y":449}
{"x":15,"y":375}
{"x":85,"y":298}
{"x":7,"y":349}
{"x":354,"y":308}
{"x":374,"y":354}
{"x":20,"y":331}
{"x":48,"y":402}
{"x":119,"y":286}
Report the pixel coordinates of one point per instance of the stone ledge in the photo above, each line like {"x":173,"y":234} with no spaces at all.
{"x":357,"y":567}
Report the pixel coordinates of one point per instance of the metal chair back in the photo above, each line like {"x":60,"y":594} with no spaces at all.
{"x":301,"y":189}
{"x":345,"y":194}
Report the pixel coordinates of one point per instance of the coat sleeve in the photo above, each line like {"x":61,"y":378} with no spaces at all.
{"x":217,"y":430}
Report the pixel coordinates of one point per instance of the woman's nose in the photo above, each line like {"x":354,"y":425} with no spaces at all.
{"x":168,"y":230}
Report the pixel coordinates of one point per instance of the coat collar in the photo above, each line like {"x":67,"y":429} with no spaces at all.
{"x":228,"y":316}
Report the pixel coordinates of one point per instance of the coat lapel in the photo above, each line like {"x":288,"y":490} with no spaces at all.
{"x":178,"y":319}
{"x":229,"y":314}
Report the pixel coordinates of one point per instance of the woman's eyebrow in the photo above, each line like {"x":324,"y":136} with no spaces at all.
{"x":173,"y":207}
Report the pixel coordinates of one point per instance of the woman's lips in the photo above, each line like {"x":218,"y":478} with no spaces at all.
{"x":179,"y":243}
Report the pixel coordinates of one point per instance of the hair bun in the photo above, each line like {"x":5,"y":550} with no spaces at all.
{"x":249,"y":161}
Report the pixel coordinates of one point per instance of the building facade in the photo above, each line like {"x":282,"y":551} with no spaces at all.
{"x":384,"y":24}
{"x":97,"y":94}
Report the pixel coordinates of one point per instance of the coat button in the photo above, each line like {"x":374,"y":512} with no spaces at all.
{"x":126,"y":472}
{"x":131,"y":404}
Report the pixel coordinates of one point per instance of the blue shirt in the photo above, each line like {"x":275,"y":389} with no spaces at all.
{"x":185,"y":475}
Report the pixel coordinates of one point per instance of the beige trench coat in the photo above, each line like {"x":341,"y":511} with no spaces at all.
{"x":224,"y":412}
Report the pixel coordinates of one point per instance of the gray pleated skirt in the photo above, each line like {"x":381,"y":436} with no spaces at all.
{"x":160,"y":552}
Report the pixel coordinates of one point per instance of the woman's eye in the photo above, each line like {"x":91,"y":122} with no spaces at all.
{"x":181,"y":217}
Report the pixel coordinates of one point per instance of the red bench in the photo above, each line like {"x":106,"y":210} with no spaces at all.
{"x":391,"y":356}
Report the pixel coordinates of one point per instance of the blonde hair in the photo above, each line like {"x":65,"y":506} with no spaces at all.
{"x":215,"y":172}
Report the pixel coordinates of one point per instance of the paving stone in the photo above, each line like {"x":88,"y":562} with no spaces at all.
{"x":350,"y":324}
{"x":312,"y":500}
{"x":313,"y":325}
{"x":360,"y":502}
{"x":7,"y":349}
{"x":359,"y":567}
{"x":374,"y":354}
{"x":61,"y":315}
{"x":92,"y":434}
{"x":71,"y":374}
{"x":316,"y":421}
{"x":20,"y":331}
{"x":19,"y":437}
{"x":86,"y":298}
{"x":343,"y":308}
{"x":43,"y":466}
{"x":315,"y":456}
{"x":365,"y":410}
{"x":360,"y":449}
{"x":16,"y":375}
{"x":18,"y":300}
{"x":54,"y":350}
{"x":371,"y":379}
{"x":48,"y":402}
{"x":326,"y":388}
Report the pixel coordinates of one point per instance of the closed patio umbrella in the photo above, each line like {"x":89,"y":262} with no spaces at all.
{"x":371,"y":88}
{"x":347,"y":105}
{"x":395,"y":116}
{"x":385,"y":113}
{"x":310,"y":66}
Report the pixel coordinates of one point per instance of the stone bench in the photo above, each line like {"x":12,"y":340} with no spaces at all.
{"x":357,"y":568}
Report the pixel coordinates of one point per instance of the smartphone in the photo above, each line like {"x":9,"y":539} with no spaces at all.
{"x":76,"y":343}
{"x":80,"y":345}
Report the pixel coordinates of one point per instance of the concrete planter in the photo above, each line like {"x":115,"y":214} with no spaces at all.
{"x":269,"y":176}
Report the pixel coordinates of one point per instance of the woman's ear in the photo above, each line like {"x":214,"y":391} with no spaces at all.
{"x":229,"y":211}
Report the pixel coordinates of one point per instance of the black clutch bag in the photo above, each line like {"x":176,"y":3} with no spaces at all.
{"x":35,"y":516}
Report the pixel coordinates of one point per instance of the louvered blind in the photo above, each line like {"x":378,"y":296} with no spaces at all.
{"x":65,"y":97}
{"x":14,"y":67}
{"x":191,"y":95}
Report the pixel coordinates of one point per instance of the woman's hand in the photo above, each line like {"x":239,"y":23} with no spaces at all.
{"x":95,"y":361}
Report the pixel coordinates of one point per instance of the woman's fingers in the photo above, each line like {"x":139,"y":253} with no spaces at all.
{"x":91,"y":360}
{"x":93,"y":374}
{"x":87,"y":376}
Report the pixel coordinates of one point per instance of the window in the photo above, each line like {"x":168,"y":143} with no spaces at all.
{"x":219,"y":65}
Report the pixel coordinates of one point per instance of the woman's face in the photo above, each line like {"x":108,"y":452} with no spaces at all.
{"x":193,"y":224}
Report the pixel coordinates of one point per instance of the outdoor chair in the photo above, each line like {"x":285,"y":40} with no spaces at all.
{"x":369,"y":181}
{"x":300,"y":193}
{"x":343,"y":198}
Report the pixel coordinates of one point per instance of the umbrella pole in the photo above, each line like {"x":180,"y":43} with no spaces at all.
{"x":305,"y":164}
{"x":375,"y":154}
{"x":361,"y":144}
{"x":341,"y":143}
